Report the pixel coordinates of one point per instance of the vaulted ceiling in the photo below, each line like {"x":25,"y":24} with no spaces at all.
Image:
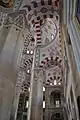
{"x":41,"y":21}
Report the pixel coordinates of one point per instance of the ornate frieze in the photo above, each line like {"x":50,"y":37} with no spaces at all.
{"x":3,"y":16}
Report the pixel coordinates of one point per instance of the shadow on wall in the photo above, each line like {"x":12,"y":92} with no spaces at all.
{"x":78,"y":103}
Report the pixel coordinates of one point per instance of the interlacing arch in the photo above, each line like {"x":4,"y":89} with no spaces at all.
{"x":33,"y":16}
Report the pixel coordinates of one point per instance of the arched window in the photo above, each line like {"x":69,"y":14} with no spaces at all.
{"x":55,"y":98}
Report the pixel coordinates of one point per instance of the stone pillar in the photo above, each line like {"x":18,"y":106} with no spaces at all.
{"x":15,"y":103}
{"x":39,"y":100}
{"x":35,"y":111}
{"x":7,"y":73}
{"x":4,"y":32}
{"x":6,"y":92}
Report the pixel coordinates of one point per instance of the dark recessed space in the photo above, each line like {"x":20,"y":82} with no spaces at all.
{"x":42,"y":2}
{"x":49,"y":2}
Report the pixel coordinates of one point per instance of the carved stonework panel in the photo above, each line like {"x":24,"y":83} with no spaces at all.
{"x":38,"y":74}
{"x":50,"y":56}
{"x":27,"y":41}
{"x":3,"y":17}
{"x":29,"y":16}
{"x":19,"y":21}
{"x":35,"y":9}
{"x":9,"y":21}
{"x":41,"y":73}
{"x":23,"y":81}
{"x":16,"y":19}
{"x":28,"y":63}
{"x":24,"y":70}
{"x":17,"y":4}
{"x":53,"y":74}
{"x":37,"y":57}
{"x":49,"y":30}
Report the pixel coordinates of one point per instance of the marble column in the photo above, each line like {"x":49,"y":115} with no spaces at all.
{"x":4,"y":32}
{"x":15,"y":103}
{"x":7,"y":73}
{"x":35,"y":111}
